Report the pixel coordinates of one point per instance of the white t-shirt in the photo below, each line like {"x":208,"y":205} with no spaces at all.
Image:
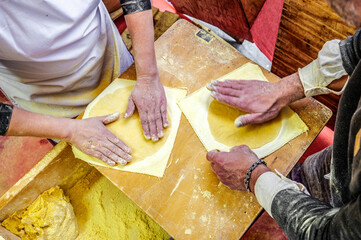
{"x":57,"y":56}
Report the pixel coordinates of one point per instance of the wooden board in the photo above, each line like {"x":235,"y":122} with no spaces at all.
{"x":189,"y":202}
{"x":229,"y":15}
{"x":162,"y":21}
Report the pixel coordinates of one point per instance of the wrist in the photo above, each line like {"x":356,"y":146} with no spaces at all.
{"x":291,"y":89}
{"x":256,"y":173}
{"x":68,"y":133}
{"x":149,"y":77}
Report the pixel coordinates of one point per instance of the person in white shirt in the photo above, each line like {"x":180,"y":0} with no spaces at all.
{"x":57,"y":56}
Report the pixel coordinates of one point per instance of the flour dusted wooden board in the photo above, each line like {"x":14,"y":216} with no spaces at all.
{"x":189,"y":202}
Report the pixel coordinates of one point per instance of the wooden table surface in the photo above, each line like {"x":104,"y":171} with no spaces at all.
{"x":189,"y":202}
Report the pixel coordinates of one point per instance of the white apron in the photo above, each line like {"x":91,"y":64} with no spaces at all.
{"x":57,"y":56}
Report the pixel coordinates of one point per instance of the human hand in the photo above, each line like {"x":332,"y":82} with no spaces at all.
{"x":93,"y":138}
{"x":262,"y":100}
{"x":149,"y":97}
{"x":231,"y":167}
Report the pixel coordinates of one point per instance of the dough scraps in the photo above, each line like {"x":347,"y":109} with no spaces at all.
{"x":50,"y":216}
{"x":147,"y":157}
{"x":213,"y":121}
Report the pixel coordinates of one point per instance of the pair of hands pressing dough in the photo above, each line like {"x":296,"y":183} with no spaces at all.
{"x":92,"y":137}
{"x":148,"y":97}
{"x":262,"y":101}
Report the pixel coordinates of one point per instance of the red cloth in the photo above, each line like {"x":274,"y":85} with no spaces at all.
{"x":265,"y":28}
{"x":163,"y":6}
{"x":120,"y":24}
{"x":323,"y":140}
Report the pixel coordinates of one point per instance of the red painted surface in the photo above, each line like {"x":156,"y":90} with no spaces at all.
{"x":265,"y":228}
{"x":17,"y":156}
{"x":323,"y":140}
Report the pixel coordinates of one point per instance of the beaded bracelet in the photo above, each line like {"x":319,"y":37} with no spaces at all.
{"x":249,"y":171}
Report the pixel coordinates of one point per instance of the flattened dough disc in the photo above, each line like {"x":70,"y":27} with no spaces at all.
{"x":213,"y":121}
{"x":147,"y":157}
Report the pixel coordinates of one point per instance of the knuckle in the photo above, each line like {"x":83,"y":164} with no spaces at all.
{"x":143,"y":121}
{"x":114,"y":149}
{"x":243,"y":147}
{"x":97,"y":155}
{"x":157,"y":115}
{"x":114,"y":157}
{"x":107,"y":152}
{"x":152,"y":118}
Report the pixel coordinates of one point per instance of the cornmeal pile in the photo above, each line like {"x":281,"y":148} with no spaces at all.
{"x":98,"y":210}
{"x":104,"y":212}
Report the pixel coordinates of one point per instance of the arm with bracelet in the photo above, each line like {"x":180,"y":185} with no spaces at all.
{"x":300,"y":215}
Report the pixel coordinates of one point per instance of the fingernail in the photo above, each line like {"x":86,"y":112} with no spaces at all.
{"x":147,"y":136}
{"x":127,"y":149}
{"x":128,"y":157}
{"x":238,"y":122}
{"x":165,"y":125}
{"x":154,"y":138}
{"x":213,"y":94}
{"x":126,"y":115}
{"x":123,"y":162}
{"x":209,"y":86}
{"x":161,"y":134}
{"x":214,"y":81}
{"x":112,"y":117}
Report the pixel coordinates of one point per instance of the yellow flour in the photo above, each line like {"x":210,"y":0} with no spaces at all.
{"x":50,"y":216}
{"x":104,"y":212}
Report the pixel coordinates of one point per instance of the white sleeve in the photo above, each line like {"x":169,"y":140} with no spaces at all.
{"x":317,"y":75}
{"x":269,"y":184}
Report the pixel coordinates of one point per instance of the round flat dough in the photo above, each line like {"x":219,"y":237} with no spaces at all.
{"x":128,"y":130}
{"x":221,"y":122}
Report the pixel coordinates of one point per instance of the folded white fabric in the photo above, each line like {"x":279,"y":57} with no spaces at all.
{"x":317,"y":75}
{"x":269,"y":184}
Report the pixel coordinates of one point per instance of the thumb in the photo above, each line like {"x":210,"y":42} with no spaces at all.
{"x":110,"y":118}
{"x":130,"y":108}
{"x":211,"y":155}
{"x":251,"y":118}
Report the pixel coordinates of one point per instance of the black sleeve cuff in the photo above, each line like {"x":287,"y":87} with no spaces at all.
{"x":351,"y":52}
{"x":5,"y":116}
{"x":133,"y":6}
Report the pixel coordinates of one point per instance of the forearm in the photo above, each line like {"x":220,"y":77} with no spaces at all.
{"x":25,"y":123}
{"x":141,"y":30}
{"x":293,"y":89}
{"x":300,"y":215}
